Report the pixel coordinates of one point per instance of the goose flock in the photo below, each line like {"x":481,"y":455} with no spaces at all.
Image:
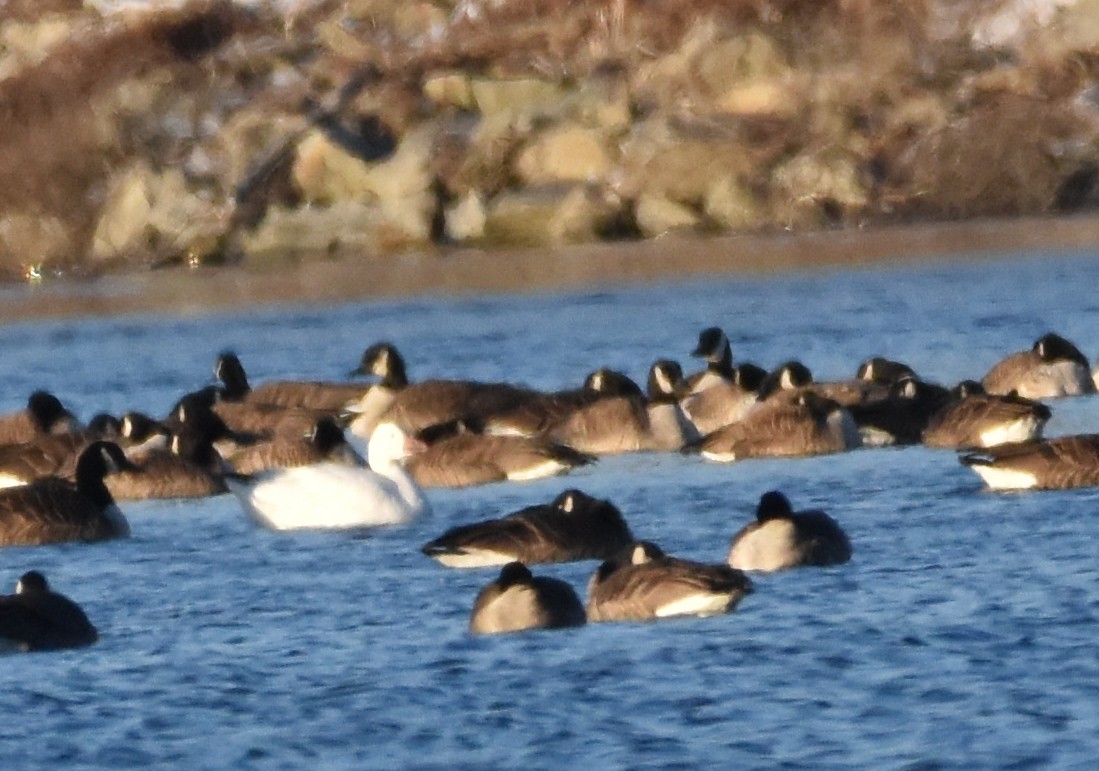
{"x":290,"y":452}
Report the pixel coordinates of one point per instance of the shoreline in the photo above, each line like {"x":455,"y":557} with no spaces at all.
{"x":458,"y":272}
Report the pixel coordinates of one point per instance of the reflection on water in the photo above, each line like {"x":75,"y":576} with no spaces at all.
{"x":961,"y":633}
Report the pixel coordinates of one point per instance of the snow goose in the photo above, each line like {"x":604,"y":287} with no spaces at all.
{"x":518,"y":600}
{"x":36,"y":618}
{"x":334,"y":495}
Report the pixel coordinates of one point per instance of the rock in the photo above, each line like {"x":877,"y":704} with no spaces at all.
{"x":747,"y":74}
{"x":678,"y":165}
{"x":148,"y":212}
{"x":565,"y":153}
{"x":29,"y":240}
{"x":23,"y":44}
{"x":345,"y":228}
{"x":546,"y":216}
{"x":518,"y":100}
{"x":731,"y":205}
{"x":450,"y":89}
{"x":657,"y":216}
{"x":465,"y":220}
{"x":813,"y":187}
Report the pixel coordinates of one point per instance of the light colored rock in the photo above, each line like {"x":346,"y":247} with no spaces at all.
{"x":23,"y":44}
{"x":546,"y":216}
{"x":325,"y":172}
{"x":465,"y":220}
{"x":673,"y":164}
{"x":517,"y":100}
{"x":738,"y":62}
{"x":146,"y":211}
{"x":825,"y":175}
{"x":657,"y":216}
{"x":347,"y":227}
{"x":731,"y":205}
{"x":566,"y":153}
{"x":29,"y":240}
{"x":452,"y":89}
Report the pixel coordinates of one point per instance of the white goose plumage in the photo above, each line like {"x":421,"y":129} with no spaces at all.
{"x":336,"y":496}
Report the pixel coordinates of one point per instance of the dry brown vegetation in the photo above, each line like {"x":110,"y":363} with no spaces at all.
{"x":932,"y":125}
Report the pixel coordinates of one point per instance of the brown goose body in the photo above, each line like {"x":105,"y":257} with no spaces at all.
{"x":44,"y":414}
{"x":574,"y":526}
{"x":781,"y":538}
{"x":802,"y":425}
{"x":1060,"y":463}
{"x":43,"y":456}
{"x":642,"y":583}
{"x":36,"y":618}
{"x":53,"y":510}
{"x":726,"y":402}
{"x":319,"y":396}
{"x":986,"y":420}
{"x":325,"y":442}
{"x":517,"y":601}
{"x":1053,"y":368}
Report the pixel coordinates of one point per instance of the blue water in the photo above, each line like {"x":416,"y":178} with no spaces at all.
{"x":961,"y":635}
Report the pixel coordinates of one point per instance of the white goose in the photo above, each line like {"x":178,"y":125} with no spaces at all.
{"x":336,"y":496}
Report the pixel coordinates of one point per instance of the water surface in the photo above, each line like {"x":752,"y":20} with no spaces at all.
{"x":962,"y":634}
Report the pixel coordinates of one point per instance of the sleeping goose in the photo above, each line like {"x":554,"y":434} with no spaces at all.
{"x":900,"y":417}
{"x":322,"y":396}
{"x":463,"y":455}
{"x":781,"y":538}
{"x":796,"y":425}
{"x":44,"y":414}
{"x":1050,"y":464}
{"x":416,"y":406}
{"x":633,"y":421}
{"x":325,"y":442}
{"x":974,"y":418}
{"x":334,"y":495}
{"x":36,"y":618}
{"x":1051,"y":369}
{"x":573,"y":526}
{"x":643,"y":583}
{"x":727,"y":402}
{"x":189,"y":467}
{"x":517,"y":600}
{"x":53,"y":510}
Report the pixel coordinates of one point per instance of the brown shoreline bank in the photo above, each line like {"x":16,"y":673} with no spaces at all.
{"x":184,"y":292}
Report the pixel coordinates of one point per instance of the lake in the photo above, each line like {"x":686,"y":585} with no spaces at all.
{"x":961,"y":635}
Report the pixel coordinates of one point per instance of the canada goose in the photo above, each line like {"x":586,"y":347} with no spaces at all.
{"x":901,"y":416}
{"x":333,"y":495}
{"x":38,"y":619}
{"x":713,"y":348}
{"x":318,"y":395}
{"x":139,"y":432}
{"x":465,"y":456}
{"x":798,"y":425}
{"x":725,"y":403}
{"x":1049,"y":464}
{"x":52,"y":510}
{"x":632,"y":422}
{"x":780,"y":538}
{"x":643,"y":583}
{"x":517,"y":600}
{"x":974,"y":418}
{"x":573,"y":526}
{"x":189,"y":467}
{"x":47,"y":455}
{"x":416,"y":406}
{"x":1051,"y":369}
{"x":883,"y":371}
{"x":44,"y":414}
{"x":794,"y":375}
{"x":325,"y":442}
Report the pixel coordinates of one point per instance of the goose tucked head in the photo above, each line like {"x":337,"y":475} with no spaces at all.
{"x":666,"y":382}
{"x":1052,"y":347}
{"x":514,"y":574}
{"x":773,"y":505}
{"x":47,"y":412}
{"x":32,"y":582}
{"x":883,"y":371}
{"x":609,"y":382}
